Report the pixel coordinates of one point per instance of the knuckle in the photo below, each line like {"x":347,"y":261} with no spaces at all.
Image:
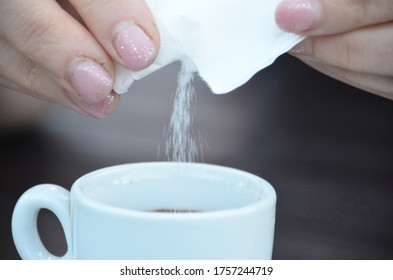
{"x":37,"y":34}
{"x":37,"y":82}
{"x":18,"y":68}
{"x":28,"y":74}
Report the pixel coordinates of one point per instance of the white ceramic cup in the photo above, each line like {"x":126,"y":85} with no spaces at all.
{"x":108,"y":214}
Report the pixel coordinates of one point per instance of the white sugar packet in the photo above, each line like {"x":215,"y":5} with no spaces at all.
{"x":227,"y":40}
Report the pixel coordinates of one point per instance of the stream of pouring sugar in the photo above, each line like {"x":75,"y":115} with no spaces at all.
{"x":180,"y":143}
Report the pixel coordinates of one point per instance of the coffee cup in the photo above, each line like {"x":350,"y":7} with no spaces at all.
{"x":154,"y":210}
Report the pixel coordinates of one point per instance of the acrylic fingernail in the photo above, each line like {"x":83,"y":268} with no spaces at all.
{"x":298,"y":16}
{"x":91,"y":81}
{"x":133,"y":46}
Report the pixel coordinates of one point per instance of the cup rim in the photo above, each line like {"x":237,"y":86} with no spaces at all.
{"x":267,"y":201}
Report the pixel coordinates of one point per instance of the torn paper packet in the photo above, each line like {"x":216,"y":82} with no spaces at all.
{"x":227,"y":40}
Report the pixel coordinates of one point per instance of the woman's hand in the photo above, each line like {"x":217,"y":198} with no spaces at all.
{"x":350,"y":40}
{"x":63,"y":51}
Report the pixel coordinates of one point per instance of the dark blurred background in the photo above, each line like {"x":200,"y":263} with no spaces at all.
{"x":326,"y":147}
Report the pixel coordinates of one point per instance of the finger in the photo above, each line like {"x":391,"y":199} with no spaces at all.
{"x":23,"y":75}
{"x":366,"y":50}
{"x":53,"y":39}
{"x":322,"y":17}
{"x":378,"y":84}
{"x":125,"y":28}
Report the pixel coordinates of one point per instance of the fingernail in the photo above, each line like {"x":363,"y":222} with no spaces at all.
{"x":298,"y":15}
{"x":133,"y":46}
{"x":101,"y":109}
{"x":91,"y":81}
{"x":302,"y":48}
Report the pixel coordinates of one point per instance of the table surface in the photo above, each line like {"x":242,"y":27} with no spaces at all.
{"x":327,"y":149}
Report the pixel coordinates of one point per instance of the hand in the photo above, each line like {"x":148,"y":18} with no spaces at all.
{"x":350,"y":40}
{"x":63,"y":51}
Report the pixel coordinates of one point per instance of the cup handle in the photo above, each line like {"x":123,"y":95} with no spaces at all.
{"x":24,"y":220}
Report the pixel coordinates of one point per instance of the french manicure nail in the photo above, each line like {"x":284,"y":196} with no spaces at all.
{"x":298,"y":15}
{"x":133,"y":46}
{"x":91,"y":81}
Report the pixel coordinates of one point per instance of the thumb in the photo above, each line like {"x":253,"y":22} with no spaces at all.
{"x":324,"y":17}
